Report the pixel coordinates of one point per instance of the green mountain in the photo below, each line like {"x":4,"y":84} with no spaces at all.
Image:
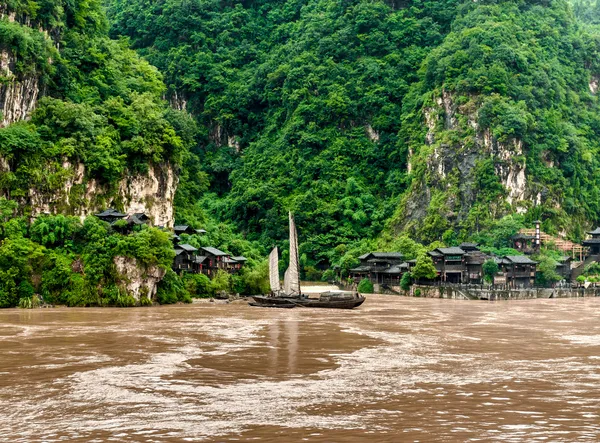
{"x":379,"y":123}
{"x":375,"y":118}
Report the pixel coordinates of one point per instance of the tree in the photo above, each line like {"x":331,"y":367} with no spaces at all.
{"x":547,"y":274}
{"x":490,"y":269}
{"x":424,"y":268}
{"x":365,"y":286}
{"x":406,"y":281}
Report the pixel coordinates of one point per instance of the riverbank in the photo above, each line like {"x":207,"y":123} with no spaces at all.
{"x":489,"y":293}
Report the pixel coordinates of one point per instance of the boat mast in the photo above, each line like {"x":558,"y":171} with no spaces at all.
{"x":291,"y":281}
{"x":294,"y":253}
{"x":274,"y":271}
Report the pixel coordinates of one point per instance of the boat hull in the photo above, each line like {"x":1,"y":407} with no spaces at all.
{"x":273,"y":305}
{"x":306,"y":302}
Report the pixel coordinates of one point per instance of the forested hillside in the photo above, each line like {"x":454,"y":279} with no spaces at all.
{"x":299,"y":105}
{"x":378,"y":118}
{"x":377,"y":122}
{"x":82,"y":114}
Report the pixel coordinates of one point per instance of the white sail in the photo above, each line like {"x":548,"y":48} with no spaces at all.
{"x":291,"y":281}
{"x":274,"y":271}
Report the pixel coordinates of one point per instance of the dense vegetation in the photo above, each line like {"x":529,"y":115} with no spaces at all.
{"x":523,"y":72}
{"x":317,"y":106}
{"x":298,"y":105}
{"x":102,"y":108}
{"x":68,"y":262}
{"x":329,"y":109}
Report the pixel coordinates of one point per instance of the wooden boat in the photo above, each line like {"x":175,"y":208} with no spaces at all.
{"x":292,"y":293}
{"x":325,"y":300}
{"x":286,"y":305}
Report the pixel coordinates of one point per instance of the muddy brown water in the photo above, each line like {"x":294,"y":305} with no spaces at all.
{"x":396,"y":369}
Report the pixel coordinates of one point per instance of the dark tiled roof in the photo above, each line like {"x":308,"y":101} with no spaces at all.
{"x":379,"y":260}
{"x":199,"y":259}
{"x":389,"y":255}
{"x":214,"y":251}
{"x":595,"y":231}
{"x":522,"y":237}
{"x":361,"y":269}
{"x":466,"y":245}
{"x":591,"y":241}
{"x":240,"y":258}
{"x":501,"y":261}
{"x":520,"y":260}
{"x":110,"y":212}
{"x":178,"y":251}
{"x":186,"y":247}
{"x":137,"y":219}
{"x":451,"y":251}
{"x":229,"y":260}
{"x":200,"y":231}
{"x":435,"y":254}
{"x":397,"y":269}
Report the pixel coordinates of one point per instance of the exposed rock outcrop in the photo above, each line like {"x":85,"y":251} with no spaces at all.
{"x":151,"y":193}
{"x":136,"y":279}
{"x":18,"y":97}
{"x":455,"y":144}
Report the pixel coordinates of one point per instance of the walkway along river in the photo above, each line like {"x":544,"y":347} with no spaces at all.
{"x":396,"y":369}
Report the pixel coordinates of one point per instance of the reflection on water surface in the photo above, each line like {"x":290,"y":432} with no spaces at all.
{"x":396,"y":369}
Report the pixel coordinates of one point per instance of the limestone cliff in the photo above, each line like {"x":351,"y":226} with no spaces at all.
{"x":455,"y":147}
{"x":18,"y":93}
{"x":151,"y":193}
{"x":138,"y":280}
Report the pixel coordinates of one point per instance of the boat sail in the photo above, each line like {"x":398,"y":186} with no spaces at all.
{"x":274,"y":271}
{"x":291,"y":295}
{"x":291,"y":280}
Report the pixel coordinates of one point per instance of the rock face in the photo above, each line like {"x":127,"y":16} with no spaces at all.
{"x":151,"y":193}
{"x":136,"y":279}
{"x":18,"y":94}
{"x":18,"y":97}
{"x":454,"y":146}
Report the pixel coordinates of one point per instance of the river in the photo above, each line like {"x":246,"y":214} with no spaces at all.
{"x":396,"y":369}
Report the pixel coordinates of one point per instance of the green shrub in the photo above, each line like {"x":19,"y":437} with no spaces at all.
{"x":406,"y":281}
{"x":198,"y":285}
{"x":365,"y":286}
{"x":145,"y":301}
{"x":171,"y":289}
{"x":328,"y":275}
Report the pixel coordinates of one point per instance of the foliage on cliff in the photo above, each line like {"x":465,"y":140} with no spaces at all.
{"x":520,"y":74}
{"x":102,"y":104}
{"x":298,"y":105}
{"x":317,"y":106}
{"x":69,"y":262}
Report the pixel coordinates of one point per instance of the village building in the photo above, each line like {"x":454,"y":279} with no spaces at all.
{"x":524,"y":243}
{"x":237,"y":263}
{"x":185,"y":258}
{"x":594,"y":242}
{"x":111,"y":215}
{"x":138,"y":219}
{"x":183,"y":229}
{"x":450,"y":264}
{"x":563,"y":268}
{"x":380,"y":268}
{"x":516,"y":271}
